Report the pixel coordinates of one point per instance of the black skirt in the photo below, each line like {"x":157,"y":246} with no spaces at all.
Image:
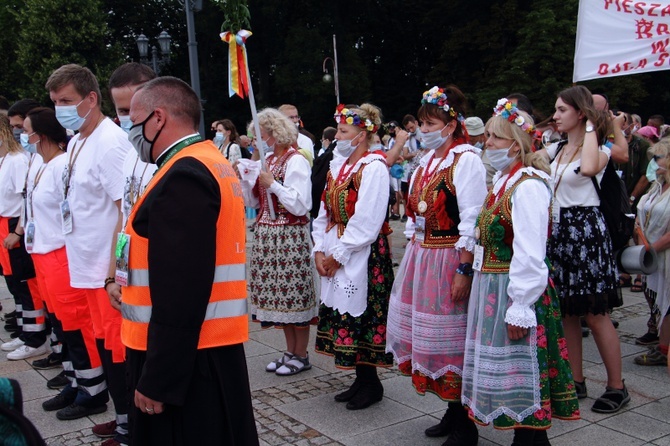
{"x":583,"y":265}
{"x":217,"y":410}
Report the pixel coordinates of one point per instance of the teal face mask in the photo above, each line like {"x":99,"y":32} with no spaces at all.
{"x":651,"y":170}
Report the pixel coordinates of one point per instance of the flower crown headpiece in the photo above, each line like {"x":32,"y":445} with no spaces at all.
{"x":437,"y":96}
{"x":345,"y":115}
{"x":509,"y":111}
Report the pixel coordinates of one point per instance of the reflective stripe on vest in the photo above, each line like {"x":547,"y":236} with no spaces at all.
{"x":225,"y":321}
{"x":215,"y":310}
{"x":222,"y":273}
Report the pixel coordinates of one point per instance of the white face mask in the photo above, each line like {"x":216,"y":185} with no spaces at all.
{"x":435,"y":140}
{"x":345,"y":148}
{"x":125,"y":123}
{"x":218,"y":139}
{"x":479,"y":145}
{"x":499,"y":157}
{"x":267,"y":148}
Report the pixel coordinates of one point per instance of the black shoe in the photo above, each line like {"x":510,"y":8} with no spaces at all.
{"x":464,"y":434}
{"x":441,"y":429}
{"x":647,"y":339}
{"x":367,"y":395}
{"x":403,"y":219}
{"x":394,"y":217}
{"x":348,"y":394}
{"x":580,"y":389}
{"x":50,"y":362}
{"x":615,"y":323}
{"x":524,"y":437}
{"x":60,"y":401}
{"x":585,"y":332}
{"x":58,"y":382}
{"x":15,"y":334}
{"x":75,"y":411}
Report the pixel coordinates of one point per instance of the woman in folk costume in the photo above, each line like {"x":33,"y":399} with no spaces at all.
{"x":516,"y":373}
{"x":429,"y":301}
{"x":353,"y":257}
{"x":282,"y":276}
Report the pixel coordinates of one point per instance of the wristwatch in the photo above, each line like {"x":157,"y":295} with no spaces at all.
{"x":589,"y":128}
{"x":632,"y":198}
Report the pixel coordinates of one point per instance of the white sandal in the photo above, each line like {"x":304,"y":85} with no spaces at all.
{"x":294,"y":365}
{"x":277,"y":363}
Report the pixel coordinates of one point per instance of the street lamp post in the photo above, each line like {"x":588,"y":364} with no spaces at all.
{"x":191,"y":6}
{"x":156,"y":62}
{"x":326,"y":76}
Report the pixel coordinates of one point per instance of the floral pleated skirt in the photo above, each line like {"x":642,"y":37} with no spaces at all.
{"x":361,"y":340}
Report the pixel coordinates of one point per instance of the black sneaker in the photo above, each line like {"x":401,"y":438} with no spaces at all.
{"x":59,"y":381}
{"x":403,"y":219}
{"x":75,"y":411}
{"x":647,"y":339}
{"x":52,"y":361}
{"x":60,"y":401}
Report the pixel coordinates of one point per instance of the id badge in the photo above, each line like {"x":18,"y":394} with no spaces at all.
{"x":555,"y":213}
{"x":121,"y":252}
{"x":66,"y":217}
{"x":30,"y":236}
{"x":420,"y":228}
{"x":479,"y":258}
{"x":24,"y":212}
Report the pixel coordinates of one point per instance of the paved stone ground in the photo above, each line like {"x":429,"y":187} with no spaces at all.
{"x":299,"y":410}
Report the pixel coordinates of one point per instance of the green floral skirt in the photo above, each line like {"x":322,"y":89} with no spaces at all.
{"x":361,"y":340}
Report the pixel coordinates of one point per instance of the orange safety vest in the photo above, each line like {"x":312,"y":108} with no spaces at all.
{"x":225,"y":321}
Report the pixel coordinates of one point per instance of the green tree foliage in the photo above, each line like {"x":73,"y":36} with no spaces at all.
{"x":54,"y":33}
{"x":389,"y":51}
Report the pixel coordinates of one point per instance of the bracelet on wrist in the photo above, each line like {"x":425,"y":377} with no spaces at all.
{"x":465,"y":269}
{"x":108,"y":281}
{"x":16,"y":233}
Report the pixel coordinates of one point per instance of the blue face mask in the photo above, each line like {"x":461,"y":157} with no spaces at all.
{"x":652,"y":169}
{"x":376,"y":147}
{"x":434,"y":140}
{"x":17,"y":134}
{"x":68,"y":116}
{"x":499,"y":157}
{"x":218,"y":139}
{"x":125,"y":123}
{"x":267,"y":148}
{"x":32,"y":148}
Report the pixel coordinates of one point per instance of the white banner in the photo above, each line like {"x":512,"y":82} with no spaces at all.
{"x":620,"y":37}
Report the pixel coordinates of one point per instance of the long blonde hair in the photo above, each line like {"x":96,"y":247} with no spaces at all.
{"x":503,"y":128}
{"x":7,"y":137}
{"x":662,"y":148}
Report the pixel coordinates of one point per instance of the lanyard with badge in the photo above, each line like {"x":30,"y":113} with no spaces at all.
{"x":24,"y":204}
{"x":65,"y":213}
{"x":30,"y":225}
{"x":122,"y":250}
{"x":420,"y":220}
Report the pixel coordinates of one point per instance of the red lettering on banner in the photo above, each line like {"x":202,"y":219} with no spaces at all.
{"x":642,"y":64}
{"x":644,"y":29}
{"x":662,"y":28}
{"x":661,"y":59}
{"x":628,"y":7}
{"x":660,"y":46}
{"x":605,"y":69}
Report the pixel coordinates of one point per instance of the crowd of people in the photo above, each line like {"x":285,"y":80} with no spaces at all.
{"x":124,"y":249}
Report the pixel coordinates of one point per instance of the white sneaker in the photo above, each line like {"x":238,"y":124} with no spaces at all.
{"x":11,"y":345}
{"x":24,"y":352}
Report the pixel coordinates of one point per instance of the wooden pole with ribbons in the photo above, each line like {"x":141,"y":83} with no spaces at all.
{"x":239,"y":82}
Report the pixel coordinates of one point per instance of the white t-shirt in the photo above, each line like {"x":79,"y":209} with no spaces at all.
{"x":13,"y":169}
{"x":43,"y":205}
{"x":574,"y":189}
{"x":137,"y":175}
{"x":96,"y":183}
{"x":305,"y":143}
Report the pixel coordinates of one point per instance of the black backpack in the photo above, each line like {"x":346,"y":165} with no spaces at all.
{"x":615,"y":207}
{"x":243,"y":151}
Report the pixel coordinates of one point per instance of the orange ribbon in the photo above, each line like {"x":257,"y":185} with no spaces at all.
{"x":238,"y":80}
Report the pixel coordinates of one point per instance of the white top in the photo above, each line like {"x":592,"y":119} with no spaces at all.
{"x":574,"y":188}
{"x":136,"y":174}
{"x":43,"y":205}
{"x":13,"y":170}
{"x":347,"y":291}
{"x":528,"y":272}
{"x":304,"y":142}
{"x":232,"y":154}
{"x":296,"y":192}
{"x":470,"y":184}
{"x":96,"y":184}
